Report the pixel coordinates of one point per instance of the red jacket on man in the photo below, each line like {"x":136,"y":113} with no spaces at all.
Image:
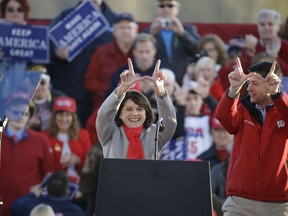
{"x":23,"y":164}
{"x":258,"y":164}
{"x":104,"y":62}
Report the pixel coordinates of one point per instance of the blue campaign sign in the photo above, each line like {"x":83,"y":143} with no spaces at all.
{"x":25,"y":42}
{"x":79,"y":28}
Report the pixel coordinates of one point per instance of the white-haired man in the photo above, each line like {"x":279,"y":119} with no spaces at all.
{"x":268,"y":24}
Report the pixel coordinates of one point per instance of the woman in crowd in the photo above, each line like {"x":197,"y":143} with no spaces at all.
{"x":213,"y":46}
{"x":205,"y":82}
{"x":125,"y":120}
{"x":17,"y":12}
{"x":70,"y":143}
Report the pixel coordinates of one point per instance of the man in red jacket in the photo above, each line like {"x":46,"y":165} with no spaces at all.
{"x":257,"y":173}
{"x":26,"y":157}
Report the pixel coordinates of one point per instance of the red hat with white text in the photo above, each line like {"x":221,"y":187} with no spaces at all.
{"x":64,"y":103}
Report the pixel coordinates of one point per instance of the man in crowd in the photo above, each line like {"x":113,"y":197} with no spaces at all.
{"x":57,"y":197}
{"x":109,"y":57}
{"x":68,"y":77}
{"x":268,"y":24}
{"x":144,"y":51}
{"x":176,"y":43}
{"x":27,"y":157}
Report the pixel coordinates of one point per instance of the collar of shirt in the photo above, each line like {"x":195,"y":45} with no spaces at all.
{"x":20,"y":134}
{"x":263,"y":111}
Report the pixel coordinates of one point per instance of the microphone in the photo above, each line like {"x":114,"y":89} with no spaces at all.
{"x":159,"y":128}
{"x":161,"y":125}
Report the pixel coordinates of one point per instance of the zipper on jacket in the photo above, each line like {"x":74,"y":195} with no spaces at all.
{"x":230,"y":171}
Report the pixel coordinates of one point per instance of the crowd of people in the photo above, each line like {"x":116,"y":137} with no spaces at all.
{"x":217,"y":105}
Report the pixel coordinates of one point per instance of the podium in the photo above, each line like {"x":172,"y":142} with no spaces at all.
{"x":153,"y":188}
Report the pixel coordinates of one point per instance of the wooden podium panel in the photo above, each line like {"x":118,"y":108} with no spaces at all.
{"x":153,"y":188}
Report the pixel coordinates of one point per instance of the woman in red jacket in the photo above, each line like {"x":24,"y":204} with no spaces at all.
{"x":69,"y":142}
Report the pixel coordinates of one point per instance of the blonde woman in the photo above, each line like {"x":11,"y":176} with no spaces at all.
{"x":69,"y":142}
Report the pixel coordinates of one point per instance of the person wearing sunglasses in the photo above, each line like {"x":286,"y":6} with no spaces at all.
{"x":17,"y":12}
{"x":176,"y":43}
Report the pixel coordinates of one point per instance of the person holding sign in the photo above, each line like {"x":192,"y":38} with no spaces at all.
{"x":128,"y":130}
{"x":73,"y":72}
{"x":17,"y":12}
{"x":257,"y":173}
{"x":26,"y":157}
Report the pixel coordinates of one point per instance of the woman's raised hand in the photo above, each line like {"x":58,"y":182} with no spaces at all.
{"x":158,"y":79}
{"x":128,"y":79}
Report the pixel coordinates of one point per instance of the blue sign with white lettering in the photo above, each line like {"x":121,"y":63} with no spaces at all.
{"x":25,"y":42}
{"x":79,"y":28}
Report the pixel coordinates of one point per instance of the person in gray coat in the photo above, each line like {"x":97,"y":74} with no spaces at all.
{"x":125,"y":119}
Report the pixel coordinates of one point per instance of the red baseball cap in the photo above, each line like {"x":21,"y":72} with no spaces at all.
{"x":64,"y":103}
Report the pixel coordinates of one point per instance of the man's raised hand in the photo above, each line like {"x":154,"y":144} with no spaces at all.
{"x":272,"y":81}
{"x":237,"y":78}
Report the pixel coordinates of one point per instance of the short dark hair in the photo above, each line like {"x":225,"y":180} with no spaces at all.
{"x":263,"y":68}
{"x":142,"y":101}
{"x":144,"y":37}
{"x":58,"y":184}
{"x":23,"y":3}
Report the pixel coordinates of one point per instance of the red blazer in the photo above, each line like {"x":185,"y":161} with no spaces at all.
{"x":79,"y":147}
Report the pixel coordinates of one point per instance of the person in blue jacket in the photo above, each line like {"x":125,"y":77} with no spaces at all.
{"x":68,"y":77}
{"x":56,"y":197}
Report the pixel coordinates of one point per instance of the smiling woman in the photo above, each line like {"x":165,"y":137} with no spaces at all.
{"x":69,"y":142}
{"x":125,"y":120}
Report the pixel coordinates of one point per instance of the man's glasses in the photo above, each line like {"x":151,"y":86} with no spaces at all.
{"x":166,"y":5}
{"x":12,"y":9}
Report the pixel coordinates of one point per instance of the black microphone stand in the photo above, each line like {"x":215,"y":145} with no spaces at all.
{"x":156,"y":139}
{"x":3,"y":124}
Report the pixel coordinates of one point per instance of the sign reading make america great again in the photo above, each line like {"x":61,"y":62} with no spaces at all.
{"x":24,"y":42}
{"x":79,"y":28}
